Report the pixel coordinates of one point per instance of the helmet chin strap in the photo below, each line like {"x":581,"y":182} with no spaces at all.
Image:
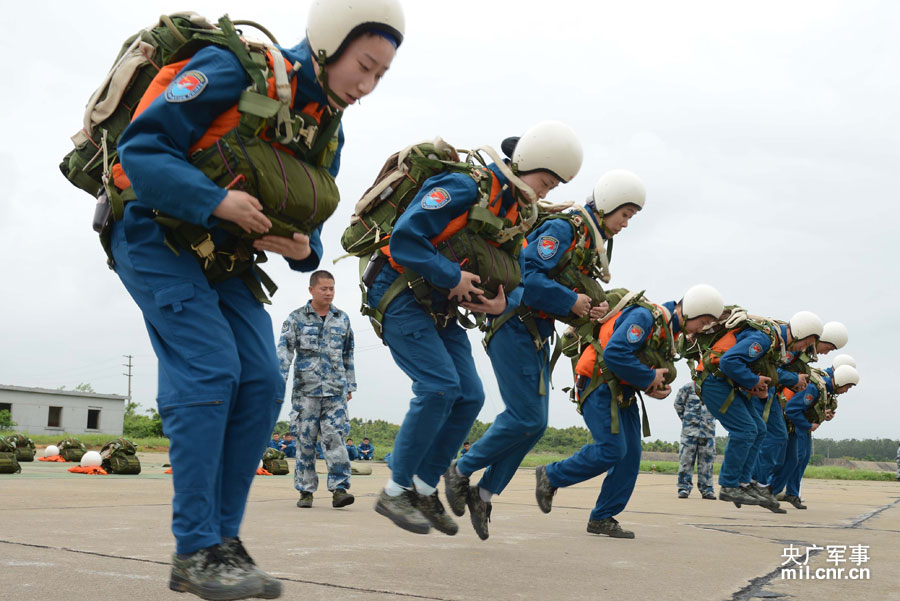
{"x":322,"y":76}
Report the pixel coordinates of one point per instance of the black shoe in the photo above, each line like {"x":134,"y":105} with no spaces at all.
{"x":456,"y":488}
{"x":341,"y":498}
{"x":766,"y":499}
{"x":610,"y":527}
{"x":402,"y":511}
{"x":709,"y":495}
{"x":234,"y":549}
{"x":682,"y":494}
{"x":210,"y":574}
{"x":306,"y":499}
{"x":795,"y":501}
{"x":543,"y":490}
{"x":479,"y":512}
{"x":432,"y":508}
{"x":738,"y":495}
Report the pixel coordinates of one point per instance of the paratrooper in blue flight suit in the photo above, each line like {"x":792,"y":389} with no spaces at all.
{"x":628,"y":336}
{"x":220,"y":391}
{"x":799,"y":335}
{"x":698,"y":443}
{"x":517,"y":341}
{"x":318,"y":339}
{"x":807,"y":411}
{"x":434,"y":350}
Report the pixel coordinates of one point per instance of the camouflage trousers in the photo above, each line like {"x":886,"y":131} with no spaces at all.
{"x":703,"y":451}
{"x":311,"y":418}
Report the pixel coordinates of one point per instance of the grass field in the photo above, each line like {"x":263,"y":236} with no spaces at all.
{"x":827,"y":472}
{"x":96,"y":441}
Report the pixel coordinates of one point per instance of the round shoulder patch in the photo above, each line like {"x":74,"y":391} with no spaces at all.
{"x":186,"y":86}
{"x":547,"y":247}
{"x":435,"y":199}
{"x":755,"y":350}
{"x":635,"y":333}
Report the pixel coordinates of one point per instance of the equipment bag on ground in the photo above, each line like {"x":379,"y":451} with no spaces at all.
{"x":274,"y":462}
{"x":71,"y":449}
{"x":24,"y":447}
{"x":120,"y":457}
{"x":8,"y":462}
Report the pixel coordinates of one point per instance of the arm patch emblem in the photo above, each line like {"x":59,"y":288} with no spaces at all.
{"x":186,"y":86}
{"x":547,"y":247}
{"x":435,"y":199}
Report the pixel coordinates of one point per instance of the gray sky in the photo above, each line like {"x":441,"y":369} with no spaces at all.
{"x":766,"y":135}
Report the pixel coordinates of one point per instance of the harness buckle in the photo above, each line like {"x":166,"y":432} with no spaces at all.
{"x":205,"y":249}
{"x":306,"y":134}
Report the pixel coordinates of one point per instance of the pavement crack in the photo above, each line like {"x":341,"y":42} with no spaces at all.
{"x":755,"y":588}
{"x":285,"y":579}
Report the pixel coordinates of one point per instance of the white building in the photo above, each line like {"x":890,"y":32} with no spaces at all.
{"x":42,"y":411}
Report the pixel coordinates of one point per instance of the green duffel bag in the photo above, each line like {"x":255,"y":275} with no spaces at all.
{"x":475,"y":254}
{"x":24,"y":447}
{"x":71,"y":449}
{"x":119,"y":457}
{"x":9,"y":464}
{"x":296,"y":196}
{"x":122,"y":464}
{"x":274,"y":462}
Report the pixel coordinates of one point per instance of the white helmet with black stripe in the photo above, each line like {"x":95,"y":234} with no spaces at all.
{"x":615,"y":189}
{"x":700,"y":300}
{"x":550,"y":146}
{"x":332,"y":24}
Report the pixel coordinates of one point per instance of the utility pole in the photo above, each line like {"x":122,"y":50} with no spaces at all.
{"x":129,"y":366}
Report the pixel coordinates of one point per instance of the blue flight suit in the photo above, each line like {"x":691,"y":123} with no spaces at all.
{"x":438,"y":360}
{"x":289,"y":448}
{"x":220,"y":391}
{"x":771,"y":451}
{"x":275,"y":444}
{"x":795,"y":409}
{"x":519,"y":365}
{"x":352,"y":452}
{"x":617,"y":454}
{"x":366,"y":451}
{"x":746,"y":429}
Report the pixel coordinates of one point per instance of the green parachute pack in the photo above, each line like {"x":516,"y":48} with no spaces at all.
{"x":119,"y":456}
{"x":8,"y":462}
{"x":71,"y":449}
{"x":700,"y":348}
{"x":295,"y":188}
{"x":274,"y":462}
{"x":488,"y":245}
{"x":25,"y":450}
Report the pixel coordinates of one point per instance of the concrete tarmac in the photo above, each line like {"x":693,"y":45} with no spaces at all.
{"x":68,"y":536}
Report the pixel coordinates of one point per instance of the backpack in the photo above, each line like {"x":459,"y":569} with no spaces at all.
{"x":8,"y":462}
{"x":120,"y":457}
{"x":71,"y":449}
{"x":274,"y":462}
{"x":263,"y":171}
{"x":24,"y":447}
{"x":400,"y":179}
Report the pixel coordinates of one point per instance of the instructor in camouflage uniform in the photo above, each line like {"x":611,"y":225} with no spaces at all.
{"x":319,"y":335}
{"x":698,"y":441}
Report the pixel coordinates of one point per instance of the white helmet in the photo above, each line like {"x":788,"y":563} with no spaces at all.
{"x":805,"y":323}
{"x":845,"y":374}
{"x":91,"y":459}
{"x":549,"y":146}
{"x":702,"y":299}
{"x":834,"y":332}
{"x":333,"y":23}
{"x":616,"y":188}
{"x":51,"y":450}
{"x":843,"y":360}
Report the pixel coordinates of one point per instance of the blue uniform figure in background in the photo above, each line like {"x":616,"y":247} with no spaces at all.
{"x":423,"y":335}
{"x":220,"y":391}
{"x":635,"y":341}
{"x":275,"y":443}
{"x":517,"y":340}
{"x":352,"y":451}
{"x":289,"y":445}
{"x":698,"y":443}
{"x":366,"y":450}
